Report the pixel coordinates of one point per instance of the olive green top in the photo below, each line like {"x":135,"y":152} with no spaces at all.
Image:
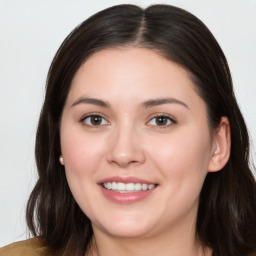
{"x":30,"y":247}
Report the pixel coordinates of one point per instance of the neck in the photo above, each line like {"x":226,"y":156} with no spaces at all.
{"x":179,"y":242}
{"x":148,"y":248}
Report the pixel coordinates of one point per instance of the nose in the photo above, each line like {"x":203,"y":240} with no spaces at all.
{"x":125,"y":148}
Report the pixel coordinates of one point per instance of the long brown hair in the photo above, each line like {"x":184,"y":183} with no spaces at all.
{"x":226,"y":216}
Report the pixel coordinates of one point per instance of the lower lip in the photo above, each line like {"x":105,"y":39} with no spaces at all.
{"x":126,"y":198}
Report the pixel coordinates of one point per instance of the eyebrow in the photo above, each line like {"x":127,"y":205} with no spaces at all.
{"x":146,"y":104}
{"x":92,"y":101}
{"x":157,"y":102}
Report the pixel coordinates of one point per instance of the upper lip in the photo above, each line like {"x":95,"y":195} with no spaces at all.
{"x":125,"y":180}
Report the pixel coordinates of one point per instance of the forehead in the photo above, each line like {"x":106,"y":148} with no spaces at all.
{"x":131,"y":73}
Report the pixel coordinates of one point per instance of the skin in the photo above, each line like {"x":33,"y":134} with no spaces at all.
{"x":129,"y":141}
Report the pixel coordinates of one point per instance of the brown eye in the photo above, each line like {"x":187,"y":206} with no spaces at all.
{"x":161,"y":121}
{"x":95,"y":120}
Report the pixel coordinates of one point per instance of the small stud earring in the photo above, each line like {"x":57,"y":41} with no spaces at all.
{"x":61,"y":159}
{"x":216,"y":152}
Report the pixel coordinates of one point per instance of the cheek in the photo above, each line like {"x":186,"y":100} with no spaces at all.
{"x":81,"y":152}
{"x":183,"y":159}
{"x":186,"y":148}
{"x":82,"y":156}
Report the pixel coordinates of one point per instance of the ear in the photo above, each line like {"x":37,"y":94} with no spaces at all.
{"x":221,"y":144}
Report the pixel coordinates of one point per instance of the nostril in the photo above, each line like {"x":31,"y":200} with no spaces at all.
{"x":125,"y":148}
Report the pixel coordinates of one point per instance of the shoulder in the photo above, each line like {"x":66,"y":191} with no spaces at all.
{"x":30,"y":247}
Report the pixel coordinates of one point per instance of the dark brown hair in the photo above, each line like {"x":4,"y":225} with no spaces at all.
{"x":226,"y":217}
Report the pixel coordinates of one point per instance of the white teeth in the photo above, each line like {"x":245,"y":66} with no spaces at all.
{"x":109,"y":185}
{"x":144,"y":187}
{"x":150,"y":186}
{"x":137,"y":186}
{"x":129,"y":187}
{"x":114,"y":185}
{"x":120,"y":186}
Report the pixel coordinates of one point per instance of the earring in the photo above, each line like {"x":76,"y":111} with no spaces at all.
{"x":216,"y":152}
{"x":61,"y":159}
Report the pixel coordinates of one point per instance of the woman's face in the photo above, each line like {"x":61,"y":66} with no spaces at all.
{"x":136,"y":143}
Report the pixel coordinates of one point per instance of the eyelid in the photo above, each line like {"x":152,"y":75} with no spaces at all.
{"x":171,"y":119}
{"x":83,"y":118}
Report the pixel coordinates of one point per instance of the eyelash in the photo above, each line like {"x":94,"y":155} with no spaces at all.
{"x":83,"y":121}
{"x":167,"y":119}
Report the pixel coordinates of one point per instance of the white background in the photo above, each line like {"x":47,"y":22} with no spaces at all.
{"x":30,"y":34}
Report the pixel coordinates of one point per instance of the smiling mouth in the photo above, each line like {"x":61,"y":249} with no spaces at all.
{"x":121,"y":187}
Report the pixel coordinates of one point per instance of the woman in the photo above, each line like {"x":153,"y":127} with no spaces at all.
{"x":141,"y":148}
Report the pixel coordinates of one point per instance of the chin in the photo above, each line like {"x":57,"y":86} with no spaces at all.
{"x":125,"y":229}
